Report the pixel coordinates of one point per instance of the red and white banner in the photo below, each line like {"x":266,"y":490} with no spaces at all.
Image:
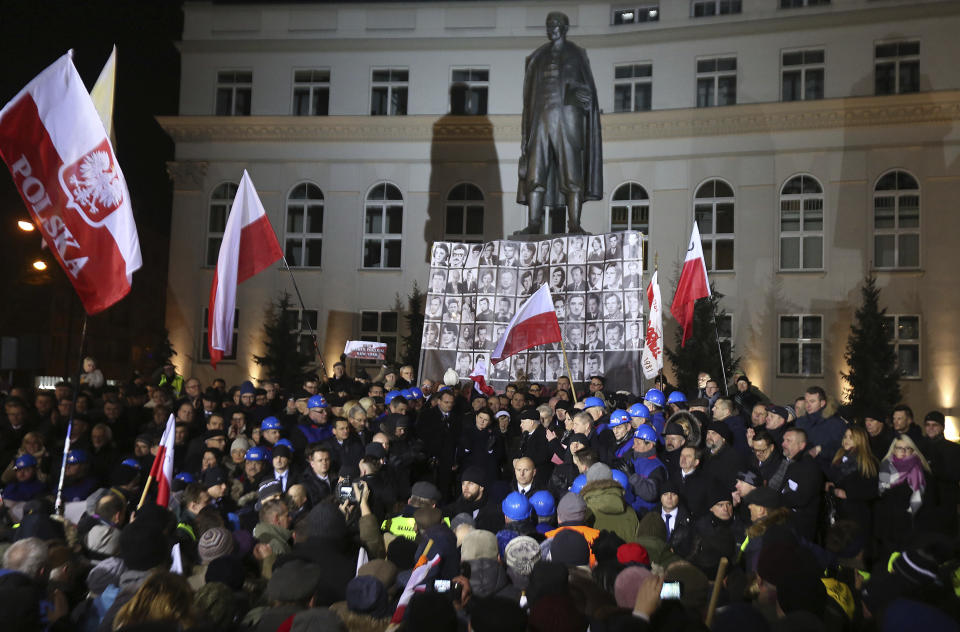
{"x":63,"y":165}
{"x":479,"y":377}
{"x":652,"y":358}
{"x":249,"y":245}
{"x":534,"y":324}
{"x":162,"y":468}
{"x":365,"y":350}
{"x":693,"y":285}
{"x":417,"y":578}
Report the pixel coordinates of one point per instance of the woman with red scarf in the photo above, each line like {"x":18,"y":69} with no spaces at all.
{"x":902,"y":484}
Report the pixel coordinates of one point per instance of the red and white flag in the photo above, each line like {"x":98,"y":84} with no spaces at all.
{"x":479,"y":377}
{"x":249,"y":245}
{"x":162,"y":468}
{"x":535,"y":323}
{"x":652,"y":358}
{"x":692,"y":287}
{"x":417,"y":577}
{"x":63,"y":165}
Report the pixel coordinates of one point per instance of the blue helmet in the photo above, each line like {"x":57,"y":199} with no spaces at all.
{"x":416,"y":393}
{"x":676,"y":397}
{"x":24,"y":460}
{"x":516,"y":506}
{"x":77,"y":456}
{"x":620,"y":476}
{"x":285,"y":442}
{"x":185,"y":477}
{"x":618,"y":418}
{"x":406,"y":394}
{"x":639,"y":410}
{"x":392,"y":395}
{"x":647,"y":433}
{"x":655,"y":396}
{"x":135,"y":464}
{"x":578,"y":483}
{"x":317,"y":401}
{"x":590,"y":402}
{"x":543,"y":503}
{"x":257,"y":454}
{"x":270,"y":423}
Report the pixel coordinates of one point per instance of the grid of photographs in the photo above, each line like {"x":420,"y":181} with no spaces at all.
{"x":473,"y":291}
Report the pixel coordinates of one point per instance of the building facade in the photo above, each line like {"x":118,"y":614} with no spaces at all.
{"x":813,"y":141}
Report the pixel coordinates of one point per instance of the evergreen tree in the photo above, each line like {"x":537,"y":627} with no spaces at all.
{"x":873,"y":377}
{"x":700,"y":353}
{"x":161,"y":350}
{"x":413,"y":317}
{"x":283,"y":359}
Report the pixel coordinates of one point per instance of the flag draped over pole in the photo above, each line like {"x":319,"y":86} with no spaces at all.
{"x":102,"y":93}
{"x":162,"y":469}
{"x":652,"y":358}
{"x":249,"y":245}
{"x":64,"y":167}
{"x":534,"y":324}
{"x":479,"y":377}
{"x":693,"y":285}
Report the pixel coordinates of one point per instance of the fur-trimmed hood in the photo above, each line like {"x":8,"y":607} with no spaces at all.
{"x":358,"y":622}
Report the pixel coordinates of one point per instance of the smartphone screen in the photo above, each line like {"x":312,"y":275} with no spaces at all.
{"x":670,"y":590}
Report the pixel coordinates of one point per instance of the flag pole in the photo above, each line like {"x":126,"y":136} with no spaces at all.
{"x":573,"y":386}
{"x":716,"y":331}
{"x":58,"y":506}
{"x":303,"y":308}
{"x":146,"y":488}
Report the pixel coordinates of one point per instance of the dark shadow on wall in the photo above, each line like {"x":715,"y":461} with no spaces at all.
{"x":462,"y":151}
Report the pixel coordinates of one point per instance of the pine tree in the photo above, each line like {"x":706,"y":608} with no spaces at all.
{"x":700,"y":353}
{"x":282,"y":360}
{"x":413,"y":317}
{"x":873,"y":377}
{"x":161,"y":351}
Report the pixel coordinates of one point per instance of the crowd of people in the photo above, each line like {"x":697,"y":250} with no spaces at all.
{"x":309,"y":507}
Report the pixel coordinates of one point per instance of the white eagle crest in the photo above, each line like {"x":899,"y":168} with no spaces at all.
{"x":98,"y":187}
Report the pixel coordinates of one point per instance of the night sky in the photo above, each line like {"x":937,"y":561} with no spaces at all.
{"x":43,"y":306}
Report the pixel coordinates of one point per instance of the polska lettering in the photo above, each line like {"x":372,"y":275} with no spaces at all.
{"x":59,"y":236}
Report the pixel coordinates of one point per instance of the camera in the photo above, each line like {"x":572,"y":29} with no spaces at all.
{"x":670,"y":590}
{"x":449,"y":588}
{"x":346,"y":490}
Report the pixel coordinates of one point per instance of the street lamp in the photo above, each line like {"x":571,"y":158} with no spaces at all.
{"x":25,"y":226}
{"x":40,"y":264}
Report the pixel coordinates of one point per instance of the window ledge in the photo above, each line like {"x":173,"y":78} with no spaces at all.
{"x":899,"y":271}
{"x":379,"y":269}
{"x":810,"y":271}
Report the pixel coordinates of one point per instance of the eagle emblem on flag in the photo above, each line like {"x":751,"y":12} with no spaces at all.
{"x":93,"y":184}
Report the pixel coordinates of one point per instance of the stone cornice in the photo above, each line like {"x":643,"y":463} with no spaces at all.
{"x":912,"y":109}
{"x":187,"y":175}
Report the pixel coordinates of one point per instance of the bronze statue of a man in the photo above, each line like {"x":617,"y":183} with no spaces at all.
{"x":560,"y":130}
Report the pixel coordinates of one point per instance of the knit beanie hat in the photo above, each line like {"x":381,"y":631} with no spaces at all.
{"x":215,"y":542}
{"x":569,"y":547}
{"x":478,"y":544}
{"x":628,"y":584}
{"x":143,"y":546}
{"x":240,"y":443}
{"x":633,"y":553}
{"x":522,"y":555}
{"x":599,"y":472}
{"x":572,"y":508}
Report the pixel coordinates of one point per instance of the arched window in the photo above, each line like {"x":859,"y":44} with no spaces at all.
{"x":896,"y":221}
{"x":630,"y":210}
{"x":713,"y":210}
{"x":801,"y":224}
{"x":304,"y":239}
{"x":465,"y":210}
{"x":220,"y":202}
{"x":383,"y":227}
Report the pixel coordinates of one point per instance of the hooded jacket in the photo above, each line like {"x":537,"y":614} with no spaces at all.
{"x":605,"y":500}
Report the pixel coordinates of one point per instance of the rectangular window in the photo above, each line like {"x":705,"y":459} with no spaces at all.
{"x":636,"y":15}
{"x":234,"y":90}
{"x":382,"y":229}
{"x":801,"y":345}
{"x":897,"y":67}
{"x":205,"y":332}
{"x":300,"y":322}
{"x":903,"y":331}
{"x":716,"y":81}
{"x":468,"y":91}
{"x":304,"y":237}
{"x":632,"y":87}
{"x":380,"y":327}
{"x":311,"y":92}
{"x":801,"y":75}
{"x":796,"y":4}
{"x":706,"y":8}
{"x":388,"y":91}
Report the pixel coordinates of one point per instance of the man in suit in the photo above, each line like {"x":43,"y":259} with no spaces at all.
{"x":319,"y":479}
{"x":631,"y":279}
{"x":693,"y":485}
{"x":508,"y":254}
{"x":346,"y":449}
{"x":614,"y":336}
{"x":575,"y":306}
{"x":802,"y":484}
{"x":576,"y":284}
{"x":594,"y":342}
{"x":613,"y":246}
{"x":594,"y":277}
{"x":439,"y":427}
{"x":487,"y":286}
{"x":484,"y":313}
{"x":677,"y":519}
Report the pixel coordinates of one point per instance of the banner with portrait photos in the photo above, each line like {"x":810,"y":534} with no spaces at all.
{"x":597,"y":286}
